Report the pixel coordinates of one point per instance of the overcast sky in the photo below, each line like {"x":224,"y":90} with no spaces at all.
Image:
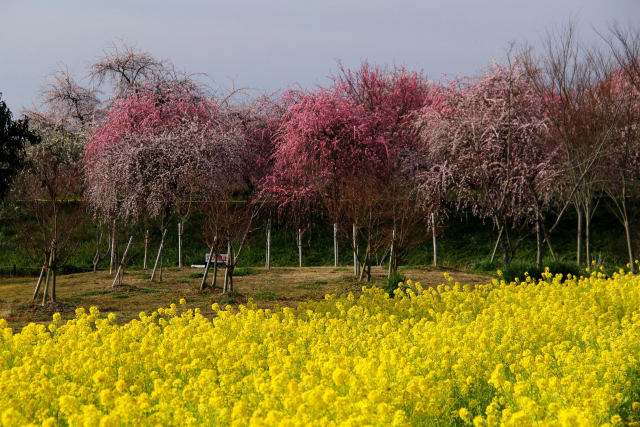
{"x":275,"y":44}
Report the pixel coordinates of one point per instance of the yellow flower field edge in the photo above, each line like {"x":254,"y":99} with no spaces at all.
{"x":561,"y":351}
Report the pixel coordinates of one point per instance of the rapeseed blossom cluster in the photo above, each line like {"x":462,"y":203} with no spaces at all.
{"x":560,"y":351}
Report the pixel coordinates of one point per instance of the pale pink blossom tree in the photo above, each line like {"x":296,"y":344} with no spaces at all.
{"x":489,"y":145}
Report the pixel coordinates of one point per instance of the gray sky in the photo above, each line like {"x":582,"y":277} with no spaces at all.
{"x":270,"y":45}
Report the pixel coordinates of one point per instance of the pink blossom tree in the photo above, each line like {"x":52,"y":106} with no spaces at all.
{"x":394,"y":96}
{"x":137,"y":158}
{"x":489,"y":145}
{"x":349,"y":146}
{"x":326,"y":145}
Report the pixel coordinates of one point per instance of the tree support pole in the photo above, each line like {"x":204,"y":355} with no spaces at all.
{"x":335,"y":244}
{"x":121,"y":266}
{"x":155,"y":267}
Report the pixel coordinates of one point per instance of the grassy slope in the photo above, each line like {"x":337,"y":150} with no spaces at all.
{"x":464,"y":244}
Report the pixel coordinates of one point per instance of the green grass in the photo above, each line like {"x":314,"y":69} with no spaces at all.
{"x":233,"y":297}
{"x":91,"y":293}
{"x":245,"y":271}
{"x":265,"y":296}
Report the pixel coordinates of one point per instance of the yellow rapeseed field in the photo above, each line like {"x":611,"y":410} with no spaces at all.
{"x":563,"y":351}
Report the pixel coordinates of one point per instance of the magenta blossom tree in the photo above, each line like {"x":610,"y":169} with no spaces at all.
{"x":349,"y":147}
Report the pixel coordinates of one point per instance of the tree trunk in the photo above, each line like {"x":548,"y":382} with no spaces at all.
{"x":121,"y":265}
{"x":214,"y":281}
{"x":53,"y":277}
{"x":627,"y":231}
{"x":356,"y":265}
{"x":299,"y":247}
{"x":155,"y":266}
{"x":539,"y":246}
{"x":335,"y":244}
{"x":587,"y":223}
{"x":45,"y":291}
{"x":146,"y":248}
{"x":579,"y":236}
{"x":435,"y":243}
{"x":50,"y":270}
{"x":506,"y":248}
{"x":231,"y":267}
{"x":180,"y":244}
{"x":267,"y":263}
{"x":226,"y":287}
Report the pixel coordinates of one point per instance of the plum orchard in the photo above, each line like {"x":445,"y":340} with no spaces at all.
{"x":562,"y":350}
{"x":382,"y":153}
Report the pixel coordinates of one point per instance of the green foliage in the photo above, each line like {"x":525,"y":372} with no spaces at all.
{"x":629,"y":412}
{"x":14,"y":137}
{"x":518,"y":268}
{"x":392,"y":282}
{"x":244,"y":271}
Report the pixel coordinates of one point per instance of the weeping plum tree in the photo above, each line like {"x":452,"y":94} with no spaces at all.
{"x":489,"y":145}
{"x":140,"y":159}
{"x":124,"y":72}
{"x":226,"y":174}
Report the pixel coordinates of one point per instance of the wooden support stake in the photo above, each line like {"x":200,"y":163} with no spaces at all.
{"x":46,"y":283}
{"x":180,"y":244}
{"x":146,"y":248}
{"x":392,"y":253}
{"x":267,"y":263}
{"x":299,"y":247}
{"x":121,"y":266}
{"x":203,"y":284}
{"x":433,"y":234}
{"x":356,"y":266}
{"x":495,"y":248}
{"x":155,"y":267}
{"x":112,"y":262}
{"x":335,"y":245}
{"x":44,"y":268}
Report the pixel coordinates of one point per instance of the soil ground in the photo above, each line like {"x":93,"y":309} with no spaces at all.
{"x":283,"y":286}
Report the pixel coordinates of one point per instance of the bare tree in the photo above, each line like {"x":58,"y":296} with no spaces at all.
{"x":49,"y":190}
{"x":565,"y":77}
